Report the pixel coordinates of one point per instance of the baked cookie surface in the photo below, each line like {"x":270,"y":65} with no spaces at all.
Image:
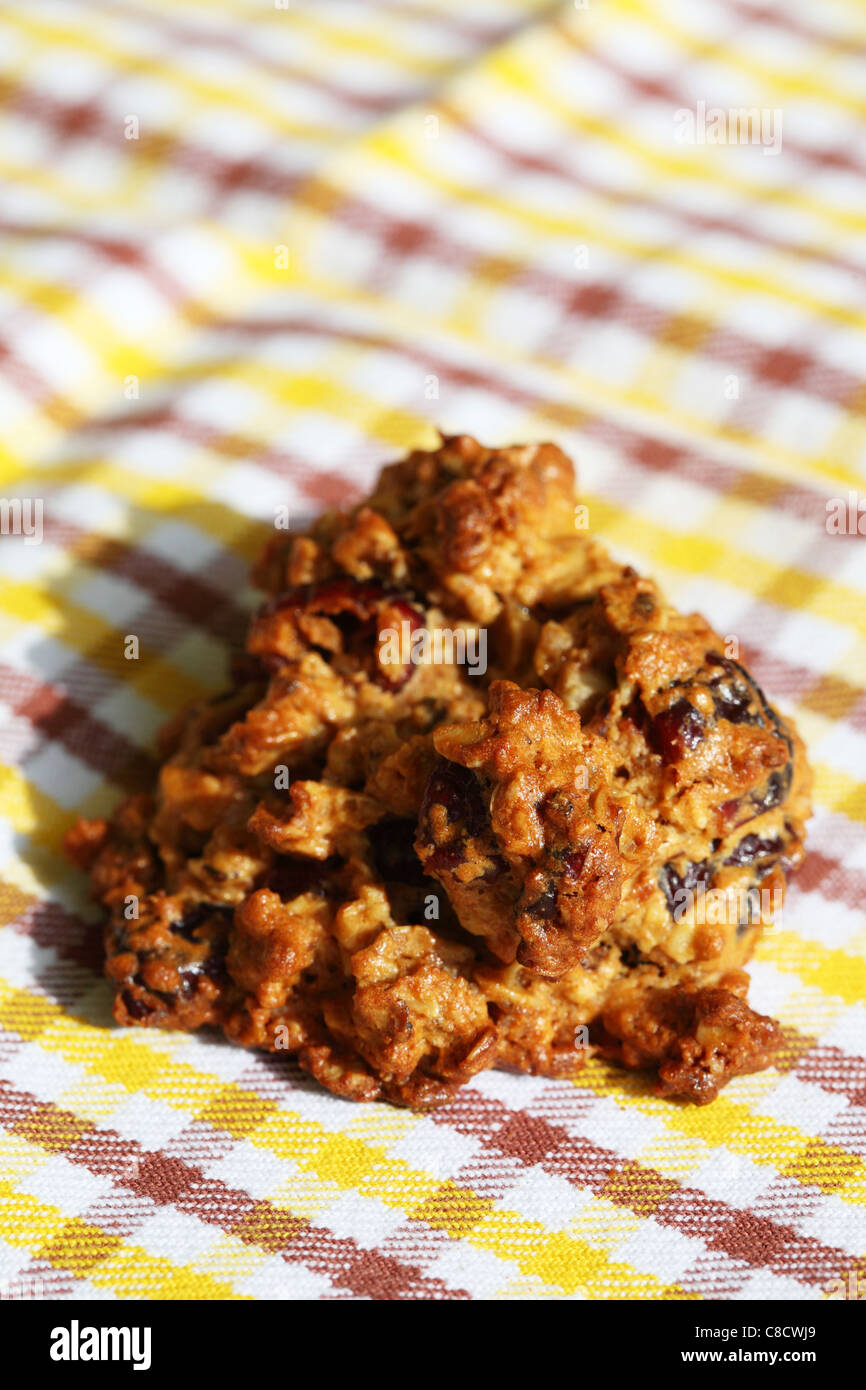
{"x":477,"y":796}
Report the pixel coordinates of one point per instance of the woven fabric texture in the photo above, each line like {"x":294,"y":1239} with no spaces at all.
{"x":251,"y":251}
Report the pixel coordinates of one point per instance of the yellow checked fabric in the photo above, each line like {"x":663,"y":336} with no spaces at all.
{"x":252,"y":251}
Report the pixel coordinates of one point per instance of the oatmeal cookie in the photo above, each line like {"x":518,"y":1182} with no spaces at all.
{"x":476,"y":796}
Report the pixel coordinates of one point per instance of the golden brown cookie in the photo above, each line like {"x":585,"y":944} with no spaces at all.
{"x":477,"y":796}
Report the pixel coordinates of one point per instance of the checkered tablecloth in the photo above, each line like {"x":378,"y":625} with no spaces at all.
{"x":250,"y":251}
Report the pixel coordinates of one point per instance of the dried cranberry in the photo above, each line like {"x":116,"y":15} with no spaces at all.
{"x":733,"y":704}
{"x":672,"y":882}
{"x":356,"y":610}
{"x":454,"y":788}
{"x":771,"y":794}
{"x":189,"y":981}
{"x":574,"y":860}
{"x":214,"y":968}
{"x":545,"y":906}
{"x":775,"y":790}
{"x":679,"y":728}
{"x":187,"y":925}
{"x":445,"y":858}
{"x":136,"y":1008}
{"x":751,"y":911}
{"x":736,"y":697}
{"x":752,"y":847}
